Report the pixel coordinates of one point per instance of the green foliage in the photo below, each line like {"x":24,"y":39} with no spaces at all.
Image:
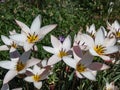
{"x":70,"y":16}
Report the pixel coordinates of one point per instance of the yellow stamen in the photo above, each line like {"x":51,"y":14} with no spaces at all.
{"x":99,"y":49}
{"x":20,"y":66}
{"x":118,"y":34}
{"x":62,"y":53}
{"x":80,"y":68}
{"x":36,"y":77}
{"x":14,"y":44}
{"x":31,"y":38}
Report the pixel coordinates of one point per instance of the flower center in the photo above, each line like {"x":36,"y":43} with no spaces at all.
{"x":36,"y":77}
{"x":62,"y":53}
{"x":14,"y":44}
{"x":118,"y":34}
{"x":31,"y":38}
{"x":20,"y":66}
{"x":80,"y":68}
{"x":99,"y":49}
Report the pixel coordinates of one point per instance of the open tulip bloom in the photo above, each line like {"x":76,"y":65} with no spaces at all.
{"x":17,"y":65}
{"x":84,"y":66}
{"x":36,"y":74}
{"x":101,"y":46}
{"x":59,"y":49}
{"x":33,"y":34}
{"x":9,"y":43}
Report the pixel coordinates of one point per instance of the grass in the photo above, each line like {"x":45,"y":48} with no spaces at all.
{"x":70,"y":16}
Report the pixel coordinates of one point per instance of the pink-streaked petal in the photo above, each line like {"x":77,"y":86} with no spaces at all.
{"x":77,"y":50}
{"x":6,"y":40}
{"x":19,"y":38}
{"x":116,"y":25}
{"x":100,"y":36}
{"x":91,"y":30}
{"x":79,"y":75}
{"x":109,"y":42}
{"x":87,"y":59}
{"x":46,"y":29}
{"x":32,"y":61}
{"x":9,"y":76}
{"x":7,"y":64}
{"x":67,"y":43}
{"x":88,"y":40}
{"x":23,"y":26}
{"x":89,"y":75}
{"x":53,"y":60}
{"x":98,"y":66}
{"x":55,"y":42}
{"x":38,"y":85}
{"x":70,"y":62}
{"x":49,"y":49}
{"x":36,"y":24}
{"x":111,"y":49}
{"x":29,"y":79}
{"x":5,"y":87}
{"x":27,"y":46}
{"x":3,"y":48}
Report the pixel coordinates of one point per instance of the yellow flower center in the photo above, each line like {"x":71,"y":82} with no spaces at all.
{"x":80,"y":68}
{"x":99,"y":49}
{"x":31,"y":38}
{"x":62,"y":53}
{"x":36,"y":77}
{"x":20,"y":66}
{"x":118,"y":34}
{"x":14,"y":44}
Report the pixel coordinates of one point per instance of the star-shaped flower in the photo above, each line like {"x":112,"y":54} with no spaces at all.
{"x":33,"y":34}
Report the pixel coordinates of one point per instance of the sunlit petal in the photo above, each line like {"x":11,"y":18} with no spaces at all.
{"x":53,"y":60}
{"x":38,"y":85}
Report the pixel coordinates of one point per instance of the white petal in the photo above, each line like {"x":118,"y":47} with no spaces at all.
{"x":79,"y":75}
{"x":32,"y":61}
{"x":36,"y":69}
{"x":17,"y":89}
{"x":10,"y":75}
{"x":67,"y":43}
{"x":44,"y":62}
{"x":53,"y":60}
{"x":23,"y":26}
{"x":91,"y":30}
{"x":20,"y":38}
{"x":70,"y":62}
{"x":116,"y":25}
{"x":38,"y":85}
{"x":46,"y":29}
{"x":27,"y":46}
{"x":35,"y":27}
{"x":93,"y":52}
{"x":7,"y":64}
{"x":109,"y":41}
{"x":88,"y":40}
{"x":111,"y":49}
{"x":3,"y":48}
{"x":106,"y":58}
{"x":100,"y":36}
{"x":6,"y":40}
{"x":49,"y":49}
{"x":55,"y":42}
{"x":29,"y":79}
{"x":89,"y":75}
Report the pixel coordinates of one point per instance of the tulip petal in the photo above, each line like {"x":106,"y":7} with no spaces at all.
{"x":49,"y":49}
{"x":111,"y":49}
{"x":46,"y":29}
{"x":3,"y":48}
{"x":38,"y":85}
{"x":5,"y":87}
{"x":36,"y":24}
{"x":89,"y":75}
{"x":6,"y":40}
{"x":53,"y":60}
{"x":77,"y":50}
{"x":29,"y":79}
{"x":70,"y":62}
{"x":23,"y":26}
{"x":9,"y":76}
{"x":79,"y":75}
{"x":100,"y":36}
